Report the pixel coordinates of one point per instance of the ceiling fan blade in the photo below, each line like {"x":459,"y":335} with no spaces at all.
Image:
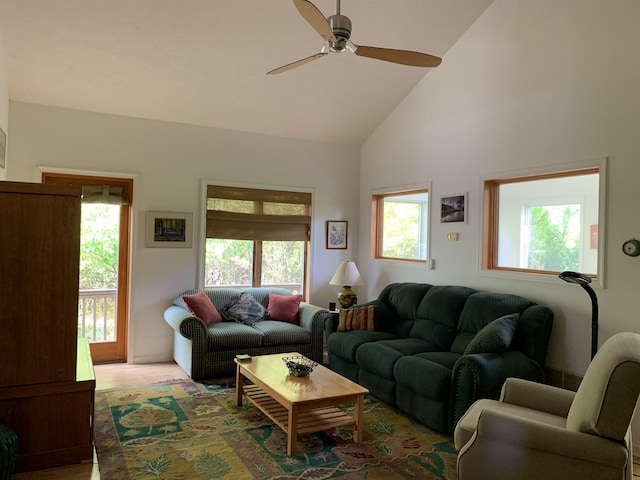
{"x":404,"y":57}
{"x":316,"y":19}
{"x":298,"y":63}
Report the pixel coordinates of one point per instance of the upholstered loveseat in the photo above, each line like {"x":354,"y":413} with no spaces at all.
{"x":209,"y":350}
{"x":434,"y":350}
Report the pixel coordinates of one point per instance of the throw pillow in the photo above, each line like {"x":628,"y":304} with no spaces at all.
{"x":284,"y":307}
{"x":357,"y":318}
{"x":495,"y":337}
{"x":200,"y":305}
{"x":244,"y":309}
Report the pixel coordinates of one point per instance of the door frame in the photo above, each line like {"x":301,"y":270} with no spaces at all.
{"x":103,"y":352}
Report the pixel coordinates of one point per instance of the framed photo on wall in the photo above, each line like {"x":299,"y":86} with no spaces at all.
{"x":336,"y":234}
{"x":169,"y":230}
{"x":453,"y":208}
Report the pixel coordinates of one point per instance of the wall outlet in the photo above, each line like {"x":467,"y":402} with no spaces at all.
{"x":431,"y":264}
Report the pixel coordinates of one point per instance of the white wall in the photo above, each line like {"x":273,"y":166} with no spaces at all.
{"x":4,"y":108}
{"x":169,"y":161}
{"x":532,"y":83}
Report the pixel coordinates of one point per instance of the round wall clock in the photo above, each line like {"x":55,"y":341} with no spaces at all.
{"x":631,"y":247}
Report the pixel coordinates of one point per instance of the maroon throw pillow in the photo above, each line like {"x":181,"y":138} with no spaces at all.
{"x":200,"y":305}
{"x":284,"y":307}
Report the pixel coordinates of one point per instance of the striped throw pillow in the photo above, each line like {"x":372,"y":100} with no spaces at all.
{"x":357,"y":318}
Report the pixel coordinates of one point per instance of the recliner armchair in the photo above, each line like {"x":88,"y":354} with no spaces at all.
{"x":538,"y":431}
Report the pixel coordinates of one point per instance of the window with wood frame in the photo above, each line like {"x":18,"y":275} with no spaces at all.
{"x":257,"y":237}
{"x":545,"y":223}
{"x":400,"y":225}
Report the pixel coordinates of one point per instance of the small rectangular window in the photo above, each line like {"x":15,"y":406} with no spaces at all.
{"x":545,"y":223}
{"x":400,"y":225}
{"x":257,"y":237}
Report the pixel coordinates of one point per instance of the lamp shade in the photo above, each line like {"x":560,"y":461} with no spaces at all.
{"x":347,"y":274}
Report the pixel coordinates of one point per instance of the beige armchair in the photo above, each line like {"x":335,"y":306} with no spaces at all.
{"x":536,"y":431}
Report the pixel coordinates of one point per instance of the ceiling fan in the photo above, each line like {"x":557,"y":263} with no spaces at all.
{"x":336,"y":31}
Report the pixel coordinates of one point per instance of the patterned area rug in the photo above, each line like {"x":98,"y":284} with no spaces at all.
{"x":188,"y":430}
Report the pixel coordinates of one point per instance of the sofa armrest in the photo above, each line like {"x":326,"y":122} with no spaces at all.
{"x":311,"y":316}
{"x":184,"y":323}
{"x":482,"y":375}
{"x":537,"y":396}
{"x":504,"y":430}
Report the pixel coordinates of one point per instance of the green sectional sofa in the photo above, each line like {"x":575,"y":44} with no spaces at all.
{"x":437,"y":349}
{"x":209,"y":351}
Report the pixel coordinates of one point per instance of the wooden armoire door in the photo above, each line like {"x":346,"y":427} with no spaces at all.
{"x":39,"y":264}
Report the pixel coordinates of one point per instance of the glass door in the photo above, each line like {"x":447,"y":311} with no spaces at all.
{"x":103,"y":298}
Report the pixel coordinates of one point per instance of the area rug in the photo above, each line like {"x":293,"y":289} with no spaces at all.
{"x":181,"y":430}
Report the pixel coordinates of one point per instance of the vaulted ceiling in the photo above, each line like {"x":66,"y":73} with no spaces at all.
{"x":204,"y":62}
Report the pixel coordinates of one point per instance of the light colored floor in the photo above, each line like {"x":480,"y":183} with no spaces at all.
{"x":123,"y":375}
{"x":109,"y":376}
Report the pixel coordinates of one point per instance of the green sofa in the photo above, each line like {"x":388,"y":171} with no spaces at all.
{"x":430,"y":354}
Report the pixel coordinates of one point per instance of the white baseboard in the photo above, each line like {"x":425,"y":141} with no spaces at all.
{"x":160,"y":358}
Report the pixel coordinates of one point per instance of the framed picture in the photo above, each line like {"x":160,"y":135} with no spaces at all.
{"x":453,"y":208}
{"x":337,"y":234}
{"x":3,"y":147}
{"x":169,"y":229}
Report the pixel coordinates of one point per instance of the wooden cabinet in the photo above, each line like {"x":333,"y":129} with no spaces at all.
{"x":46,"y":376}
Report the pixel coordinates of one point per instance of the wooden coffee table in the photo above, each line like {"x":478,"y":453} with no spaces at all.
{"x":299,"y":405}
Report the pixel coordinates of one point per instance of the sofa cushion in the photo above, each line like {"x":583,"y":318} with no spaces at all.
{"x":428,"y":374}
{"x":282,"y":333}
{"x":484,"y":307}
{"x":495,"y":337}
{"x":357,"y":318}
{"x":244,"y":309}
{"x":199,"y":304}
{"x":438,"y":313}
{"x":345,"y":344}
{"x":378,"y":359}
{"x":284,"y":307}
{"x":404,"y":298}
{"x":233,"y":336}
{"x":409,"y":346}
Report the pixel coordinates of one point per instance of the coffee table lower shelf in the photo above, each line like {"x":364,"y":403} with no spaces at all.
{"x":310,"y":421}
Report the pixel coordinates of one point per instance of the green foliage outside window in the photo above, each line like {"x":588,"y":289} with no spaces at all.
{"x":401,"y":230}
{"x":555,"y":238}
{"x":99,"y":247}
{"x":99,"y":242}
{"x":229,"y":263}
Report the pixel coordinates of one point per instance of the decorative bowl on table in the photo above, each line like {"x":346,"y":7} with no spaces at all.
{"x":299,"y":365}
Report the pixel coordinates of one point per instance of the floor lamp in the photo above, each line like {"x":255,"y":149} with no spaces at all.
{"x":584,"y":281}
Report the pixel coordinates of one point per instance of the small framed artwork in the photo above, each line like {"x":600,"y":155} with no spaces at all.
{"x":453,"y":208}
{"x":169,"y":229}
{"x":337,"y":234}
{"x":3,"y":147}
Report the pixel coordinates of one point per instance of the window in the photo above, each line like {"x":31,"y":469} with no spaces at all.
{"x":257,"y":237}
{"x":400,"y":222}
{"x":545,"y":223}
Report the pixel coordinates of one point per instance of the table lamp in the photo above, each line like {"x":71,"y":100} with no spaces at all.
{"x":584,"y":281}
{"x":348,"y":276}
